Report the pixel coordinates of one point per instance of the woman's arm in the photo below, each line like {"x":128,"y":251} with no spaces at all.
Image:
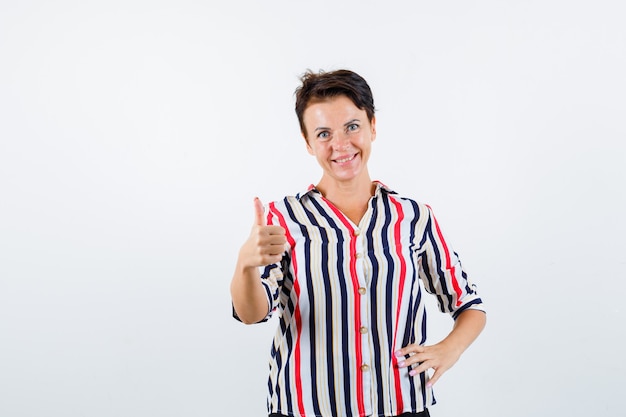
{"x":441,"y":356}
{"x":264,"y":246}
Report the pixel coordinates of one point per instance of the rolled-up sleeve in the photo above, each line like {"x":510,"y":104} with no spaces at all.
{"x":442,"y":273}
{"x":271,"y":277}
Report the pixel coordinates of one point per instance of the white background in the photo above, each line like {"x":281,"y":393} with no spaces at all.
{"x":135,"y":134}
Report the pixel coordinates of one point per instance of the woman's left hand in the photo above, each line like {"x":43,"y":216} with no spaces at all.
{"x":439,"y":357}
{"x":444,"y":354}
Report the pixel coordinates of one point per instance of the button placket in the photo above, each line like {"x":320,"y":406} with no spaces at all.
{"x":363,"y":330}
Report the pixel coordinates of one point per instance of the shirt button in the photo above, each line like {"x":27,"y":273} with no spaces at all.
{"x":363,"y":330}
{"x":362,"y":290}
{"x":359,"y":255}
{"x":357,"y":232}
{"x":365,"y":368}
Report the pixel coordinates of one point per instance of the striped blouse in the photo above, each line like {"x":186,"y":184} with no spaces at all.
{"x":348,"y":297}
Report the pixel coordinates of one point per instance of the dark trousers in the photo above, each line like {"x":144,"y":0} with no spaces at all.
{"x":424,"y":413}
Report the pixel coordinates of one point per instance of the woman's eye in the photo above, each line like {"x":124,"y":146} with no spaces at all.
{"x":323,"y":136}
{"x":353,"y":127}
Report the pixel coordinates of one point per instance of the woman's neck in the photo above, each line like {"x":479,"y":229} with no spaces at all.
{"x":350,"y":198}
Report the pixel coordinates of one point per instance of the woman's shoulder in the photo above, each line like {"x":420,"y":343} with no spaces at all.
{"x":408,"y":199}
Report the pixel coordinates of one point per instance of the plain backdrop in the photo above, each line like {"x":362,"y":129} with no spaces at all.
{"x":135,"y":134}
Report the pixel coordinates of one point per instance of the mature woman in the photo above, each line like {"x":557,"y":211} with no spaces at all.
{"x":341,"y":262}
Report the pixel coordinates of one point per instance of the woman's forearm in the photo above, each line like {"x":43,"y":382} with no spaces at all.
{"x":467,"y":326}
{"x":248,"y":294}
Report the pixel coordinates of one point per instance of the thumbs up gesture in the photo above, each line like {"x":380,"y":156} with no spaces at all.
{"x":259,"y":213}
{"x":266,"y":244}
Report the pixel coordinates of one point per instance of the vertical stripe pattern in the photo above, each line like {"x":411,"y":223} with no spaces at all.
{"x":348,"y":296}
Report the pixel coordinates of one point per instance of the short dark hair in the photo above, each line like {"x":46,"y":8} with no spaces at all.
{"x":323,"y":85}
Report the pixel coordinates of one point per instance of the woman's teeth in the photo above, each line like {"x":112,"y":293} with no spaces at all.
{"x":349,"y":158}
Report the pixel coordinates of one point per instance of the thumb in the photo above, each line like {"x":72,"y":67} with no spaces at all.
{"x":259,"y":212}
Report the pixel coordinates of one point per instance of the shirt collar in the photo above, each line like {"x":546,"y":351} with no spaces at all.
{"x":311,"y":189}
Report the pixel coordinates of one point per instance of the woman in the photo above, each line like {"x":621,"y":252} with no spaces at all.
{"x":340,"y":262}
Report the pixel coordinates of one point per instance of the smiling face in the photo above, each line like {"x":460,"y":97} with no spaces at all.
{"x":340,"y":136}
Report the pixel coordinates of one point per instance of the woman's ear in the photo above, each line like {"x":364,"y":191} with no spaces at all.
{"x":373,"y":126}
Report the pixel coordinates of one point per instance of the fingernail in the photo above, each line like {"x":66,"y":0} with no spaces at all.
{"x":398,"y":353}
{"x":401,"y":364}
{"x":413,"y":372}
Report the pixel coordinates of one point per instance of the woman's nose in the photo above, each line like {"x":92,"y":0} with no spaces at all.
{"x":341,"y":141}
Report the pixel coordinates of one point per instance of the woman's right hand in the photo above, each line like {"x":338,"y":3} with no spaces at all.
{"x":265,"y":245}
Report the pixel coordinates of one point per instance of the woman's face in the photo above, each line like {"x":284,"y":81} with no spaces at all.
{"x":340,"y":136}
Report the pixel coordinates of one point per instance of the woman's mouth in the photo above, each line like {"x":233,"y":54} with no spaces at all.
{"x":345,"y":159}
